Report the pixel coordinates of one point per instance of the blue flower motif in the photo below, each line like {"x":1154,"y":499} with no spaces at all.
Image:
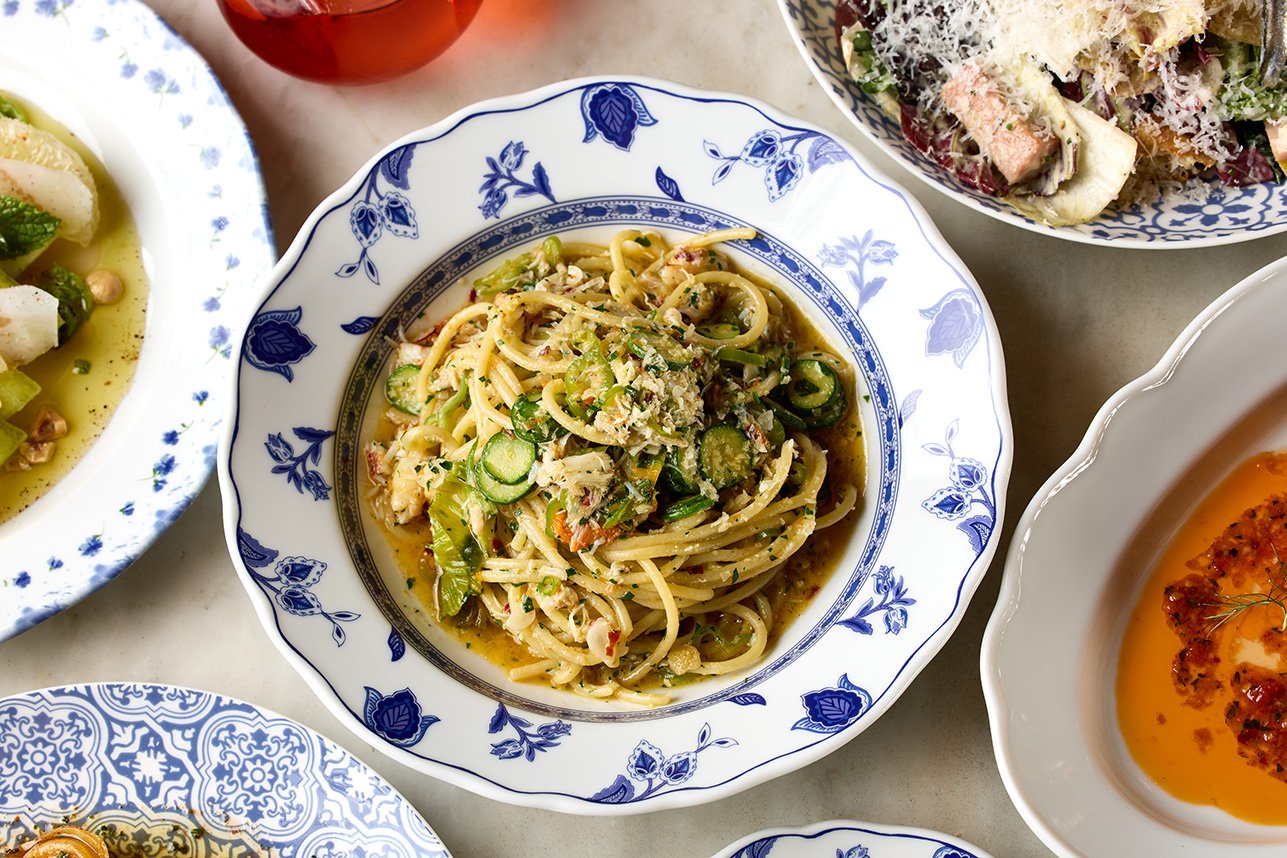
{"x":397,"y":717}
{"x":679,"y":768}
{"x":948,"y":504}
{"x":164,"y":466}
{"x":952,"y":852}
{"x":301,"y":571}
{"x":11,"y":8}
{"x":615,"y":111}
{"x":398,"y":216}
{"x":128,"y":70}
{"x":55,"y":563}
{"x":211,"y":305}
{"x":893,"y":603}
{"x":99,"y":34}
{"x":170,"y":438}
{"x":956,"y":324}
{"x":645,"y":762}
{"x":782,"y":175}
{"x":529,"y":741}
{"x":830,"y":710}
{"x":502,"y":177}
{"x":856,"y":254}
{"x":895,"y":620}
{"x":210,"y":157}
{"x":762,"y":149}
{"x":299,"y":601}
{"x":967,"y":474}
{"x":274,"y":342}
{"x":200,"y":397}
{"x":22,"y":580}
{"x":128,"y":509}
{"x":219,"y":340}
{"x":366,"y":224}
{"x":296,"y":467}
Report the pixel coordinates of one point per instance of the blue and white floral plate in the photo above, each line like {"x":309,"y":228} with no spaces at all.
{"x":152,"y":111}
{"x":586,"y":158}
{"x":160,"y":770}
{"x":1201,"y":214}
{"x":842,"y":838}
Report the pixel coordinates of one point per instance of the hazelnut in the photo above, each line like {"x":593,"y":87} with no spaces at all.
{"x":105,"y":286}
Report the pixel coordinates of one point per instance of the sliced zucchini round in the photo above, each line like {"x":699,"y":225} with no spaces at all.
{"x":813,"y":385}
{"x":508,"y":459}
{"x":496,"y":491}
{"x":679,"y":473}
{"x":725,"y":455}
{"x":400,"y":388}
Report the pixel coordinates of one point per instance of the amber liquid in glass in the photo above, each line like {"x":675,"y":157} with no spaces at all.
{"x":348,"y":41}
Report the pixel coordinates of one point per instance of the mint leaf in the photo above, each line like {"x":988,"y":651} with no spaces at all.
{"x":24,"y":227}
{"x":11,"y":110}
{"x":75,"y":301}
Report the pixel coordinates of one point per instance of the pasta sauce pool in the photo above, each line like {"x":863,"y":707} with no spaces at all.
{"x":1200,"y":699}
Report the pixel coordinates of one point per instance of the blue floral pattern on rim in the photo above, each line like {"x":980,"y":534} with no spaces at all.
{"x":290,"y":584}
{"x":1199,"y":213}
{"x":847,"y":839}
{"x":794,"y":703}
{"x":502,"y":178}
{"x":614,"y":111}
{"x":251,"y":781}
{"x":968,"y":489}
{"x":185,"y":129}
{"x":379,"y":212}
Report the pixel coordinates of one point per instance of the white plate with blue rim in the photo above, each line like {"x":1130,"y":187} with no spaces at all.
{"x":1201,"y":214}
{"x":150,"y":109}
{"x":843,"y":838}
{"x":585,"y":158}
{"x":163,"y":770}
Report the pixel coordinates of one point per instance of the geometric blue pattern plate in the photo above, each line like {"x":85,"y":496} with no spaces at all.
{"x":146,"y":104}
{"x":160,"y":770}
{"x":1201,"y":214}
{"x":585,"y":158}
{"x":847,"y":839}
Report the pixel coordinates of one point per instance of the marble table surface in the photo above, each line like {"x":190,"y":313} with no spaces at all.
{"x":1077,"y":322}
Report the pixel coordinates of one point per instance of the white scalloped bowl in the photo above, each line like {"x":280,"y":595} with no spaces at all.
{"x":1079,"y":559}
{"x":1202,"y":215}
{"x":585,"y":158}
{"x":146,"y":104}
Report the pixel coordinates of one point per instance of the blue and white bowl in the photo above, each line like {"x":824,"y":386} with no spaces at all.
{"x":586,"y":158}
{"x":149,"y":107}
{"x":1202,"y":214}
{"x":842,"y":838}
{"x":161,"y":770}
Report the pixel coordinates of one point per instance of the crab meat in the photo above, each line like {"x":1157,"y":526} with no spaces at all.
{"x":601,"y":639}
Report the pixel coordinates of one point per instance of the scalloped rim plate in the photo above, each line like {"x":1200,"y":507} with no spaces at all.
{"x":170,"y":760}
{"x":844,"y":838}
{"x":152,"y":111}
{"x":587,"y":157}
{"x":1203,"y":216}
{"x":1049,"y":658}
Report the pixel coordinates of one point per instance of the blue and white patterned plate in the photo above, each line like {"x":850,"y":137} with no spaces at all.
{"x":1201,"y":214}
{"x":586,"y":158}
{"x":160,"y":770}
{"x":154,"y":114}
{"x":842,"y":838}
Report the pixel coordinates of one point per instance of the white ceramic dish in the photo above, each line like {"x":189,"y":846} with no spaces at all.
{"x":148,"y":106}
{"x":1078,"y":561}
{"x":1204,"y":215}
{"x":585,"y":158}
{"x":842,"y":838}
{"x":160,"y":770}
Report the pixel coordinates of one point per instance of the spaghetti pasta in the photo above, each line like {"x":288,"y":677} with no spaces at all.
{"x":611,"y":457}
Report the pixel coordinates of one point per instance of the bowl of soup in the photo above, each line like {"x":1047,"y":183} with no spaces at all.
{"x":588,"y":444}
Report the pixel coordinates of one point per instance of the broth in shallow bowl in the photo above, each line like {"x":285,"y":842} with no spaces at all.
{"x":353,"y":602}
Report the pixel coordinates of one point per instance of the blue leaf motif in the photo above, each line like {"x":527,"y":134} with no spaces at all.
{"x":299,"y":601}
{"x":313,"y":436}
{"x":252,"y":553}
{"x":541,"y":180}
{"x":952,"y":852}
{"x":396,"y":165}
{"x":679,"y":768}
{"x":397,"y":646}
{"x":857,"y":624}
{"x":645,"y":762}
{"x":620,"y":791}
{"x":300,"y":570}
{"x":396,"y":717}
{"x":668,"y":186}
{"x":762,"y":149}
{"x":948,"y":504}
{"x":721,"y":172}
{"x":978,"y":529}
{"x":748,"y":699}
{"x":365,"y":222}
{"x":615,"y":111}
{"x":956,"y":323}
{"x":399,"y":217}
{"x":967,"y":474}
{"x":782,"y":175}
{"x":360,"y":325}
{"x":824,"y":150}
{"x":274,"y":341}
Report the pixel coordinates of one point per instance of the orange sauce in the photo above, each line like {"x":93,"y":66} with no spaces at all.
{"x":1191,"y":752}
